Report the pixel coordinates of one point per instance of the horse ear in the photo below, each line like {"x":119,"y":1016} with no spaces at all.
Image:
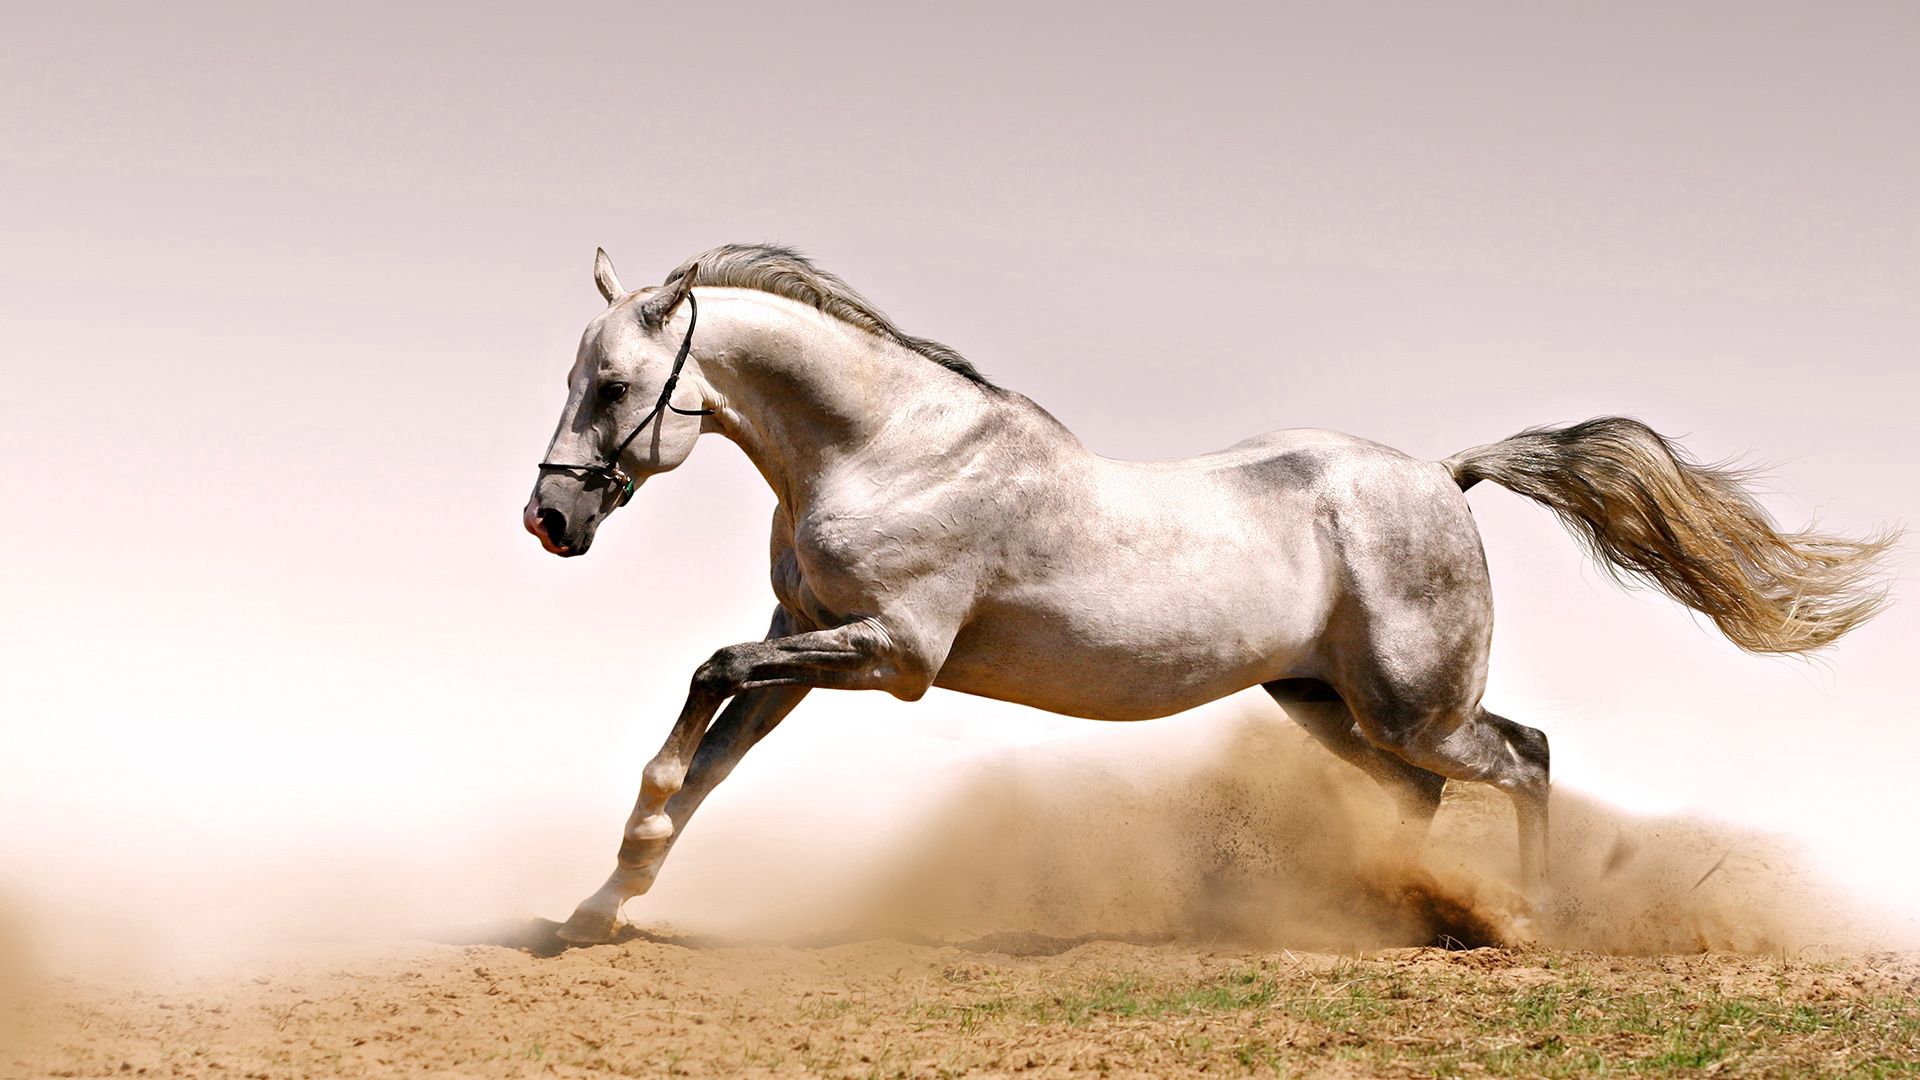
{"x":604,"y":276}
{"x":659,"y":307}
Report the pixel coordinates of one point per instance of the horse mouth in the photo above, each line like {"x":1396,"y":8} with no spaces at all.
{"x":562,"y":549}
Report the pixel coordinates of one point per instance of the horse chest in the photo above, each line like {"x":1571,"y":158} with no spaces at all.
{"x":835,"y":566}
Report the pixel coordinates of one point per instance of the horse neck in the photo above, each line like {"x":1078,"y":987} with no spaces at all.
{"x":801,"y":392}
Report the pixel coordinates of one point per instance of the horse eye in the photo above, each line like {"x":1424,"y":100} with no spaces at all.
{"x":612,"y":392}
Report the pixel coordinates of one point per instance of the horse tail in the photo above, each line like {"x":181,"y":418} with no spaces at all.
{"x":1646,"y":511}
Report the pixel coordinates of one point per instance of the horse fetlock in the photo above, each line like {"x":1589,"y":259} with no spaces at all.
{"x":658,"y":783}
{"x":647,"y":830}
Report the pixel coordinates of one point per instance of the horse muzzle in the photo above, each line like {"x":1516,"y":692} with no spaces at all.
{"x":550,"y":526}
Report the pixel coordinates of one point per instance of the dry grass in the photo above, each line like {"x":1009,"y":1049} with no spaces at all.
{"x":1433,"y":1014}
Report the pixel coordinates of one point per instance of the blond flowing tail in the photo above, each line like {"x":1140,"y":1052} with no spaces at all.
{"x":1646,"y":511}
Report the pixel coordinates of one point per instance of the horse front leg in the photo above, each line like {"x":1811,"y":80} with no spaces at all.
{"x":769,"y":677}
{"x":746,"y":720}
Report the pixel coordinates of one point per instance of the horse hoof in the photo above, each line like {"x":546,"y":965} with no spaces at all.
{"x":587,"y":928}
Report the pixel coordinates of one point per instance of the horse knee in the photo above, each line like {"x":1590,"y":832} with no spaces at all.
{"x":719,"y":677}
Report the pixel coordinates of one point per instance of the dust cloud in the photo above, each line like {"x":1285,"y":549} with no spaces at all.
{"x":1272,"y":842}
{"x":1228,"y":826}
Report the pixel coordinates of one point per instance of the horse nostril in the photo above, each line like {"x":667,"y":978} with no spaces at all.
{"x":553,"y":524}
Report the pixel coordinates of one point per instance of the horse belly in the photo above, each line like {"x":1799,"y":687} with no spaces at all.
{"x":1141,"y":645}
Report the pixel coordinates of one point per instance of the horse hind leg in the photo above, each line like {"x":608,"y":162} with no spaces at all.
{"x":1318,"y":709}
{"x":1528,"y":782}
{"x":1479,"y":745}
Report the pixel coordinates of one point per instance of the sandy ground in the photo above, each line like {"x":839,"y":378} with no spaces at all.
{"x":887,"y":1008}
{"x":1076,"y":915}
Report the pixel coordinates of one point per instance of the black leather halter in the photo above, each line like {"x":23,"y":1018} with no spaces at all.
{"x":610,"y":469}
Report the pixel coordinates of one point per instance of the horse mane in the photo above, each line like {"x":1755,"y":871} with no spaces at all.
{"x":782,"y":271}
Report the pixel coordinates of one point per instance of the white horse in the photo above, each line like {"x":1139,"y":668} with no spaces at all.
{"x":936,"y":530}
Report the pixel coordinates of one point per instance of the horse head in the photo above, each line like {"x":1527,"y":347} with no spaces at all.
{"x":619,"y":425}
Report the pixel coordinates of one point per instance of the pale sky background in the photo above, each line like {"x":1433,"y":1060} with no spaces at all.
{"x":290,"y":293}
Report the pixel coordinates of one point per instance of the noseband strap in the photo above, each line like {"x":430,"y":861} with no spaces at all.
{"x":610,"y":469}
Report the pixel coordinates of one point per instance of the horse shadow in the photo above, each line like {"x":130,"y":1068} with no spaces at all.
{"x":541,"y":938}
